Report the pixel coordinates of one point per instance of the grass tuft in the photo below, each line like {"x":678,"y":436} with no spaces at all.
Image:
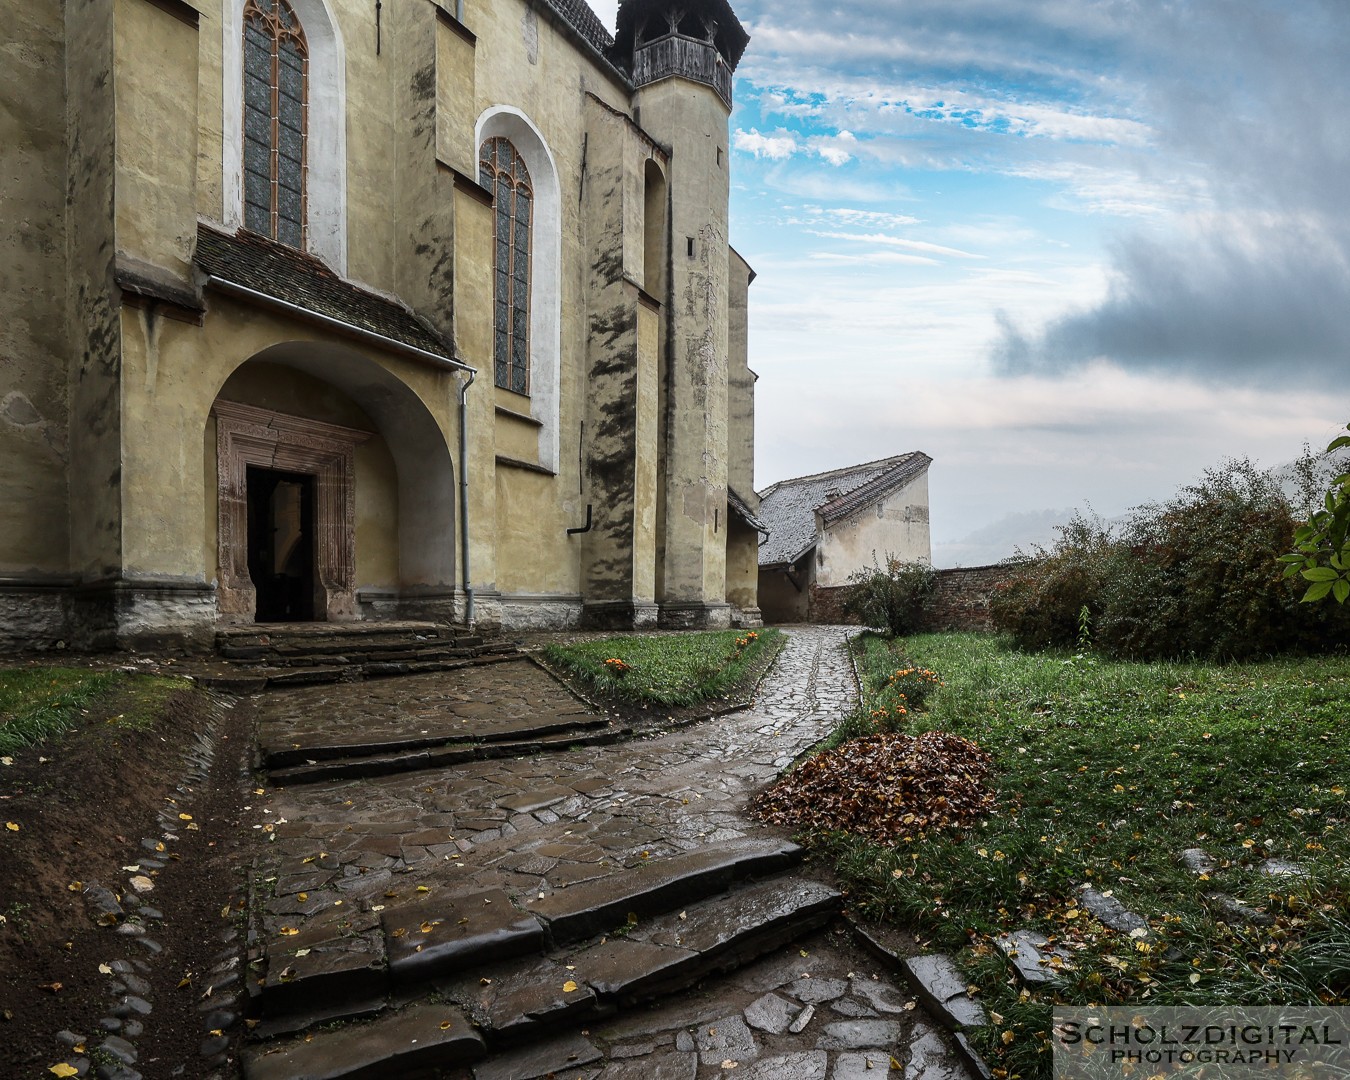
{"x":666,"y":670}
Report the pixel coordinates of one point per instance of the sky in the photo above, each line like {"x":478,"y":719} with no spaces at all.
{"x":1076,"y":251}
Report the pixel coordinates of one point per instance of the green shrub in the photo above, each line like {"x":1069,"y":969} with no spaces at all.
{"x":1196,"y":576}
{"x":1041,"y":602}
{"x":893,"y":596}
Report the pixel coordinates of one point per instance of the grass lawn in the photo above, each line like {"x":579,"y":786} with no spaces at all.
{"x":666,"y":670}
{"x":38,"y":705}
{"x":1104,"y":773}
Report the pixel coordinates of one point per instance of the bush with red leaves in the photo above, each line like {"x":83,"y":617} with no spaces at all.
{"x":885,"y":787}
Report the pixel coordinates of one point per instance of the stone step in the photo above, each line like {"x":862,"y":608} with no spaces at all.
{"x":283,"y":755}
{"x":493,"y":976}
{"x":353,"y":958}
{"x":423,"y":1036}
{"x":510,"y":1002}
{"x":443,"y":755}
{"x":253,"y":678}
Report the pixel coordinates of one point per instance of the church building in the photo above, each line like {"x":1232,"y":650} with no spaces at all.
{"x":344,"y":310}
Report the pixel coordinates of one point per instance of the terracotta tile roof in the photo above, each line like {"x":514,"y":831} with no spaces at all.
{"x":585,"y":22}
{"x":788,"y":508}
{"x":294,"y":277}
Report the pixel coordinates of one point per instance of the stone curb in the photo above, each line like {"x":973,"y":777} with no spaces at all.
{"x":133,"y":918}
{"x":937,"y":998}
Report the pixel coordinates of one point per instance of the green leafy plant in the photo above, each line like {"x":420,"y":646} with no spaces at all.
{"x":893,"y":596}
{"x":1321,"y":554}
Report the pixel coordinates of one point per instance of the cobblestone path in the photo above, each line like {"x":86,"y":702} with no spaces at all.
{"x":530,"y":825}
{"x":346,"y":852}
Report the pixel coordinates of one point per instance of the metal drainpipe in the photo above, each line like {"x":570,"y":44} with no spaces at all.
{"x":464,"y":493}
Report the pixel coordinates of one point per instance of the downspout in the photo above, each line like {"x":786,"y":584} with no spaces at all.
{"x":464,"y":385}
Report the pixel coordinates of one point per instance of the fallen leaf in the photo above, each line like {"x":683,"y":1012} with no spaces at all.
{"x":6,"y":760}
{"x":75,"y":886}
{"x":104,"y":969}
{"x":51,"y":987}
{"x":62,"y":1069}
{"x":184,"y":817}
{"x":445,"y":1025}
{"x":569,"y":986}
{"x":302,"y":952}
{"x":11,"y":826}
{"x":289,"y":931}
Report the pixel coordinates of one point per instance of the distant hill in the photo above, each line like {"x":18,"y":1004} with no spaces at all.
{"x":1000,"y":539}
{"x":1028,"y":528}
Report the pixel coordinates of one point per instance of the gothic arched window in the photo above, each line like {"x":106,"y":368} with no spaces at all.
{"x":276,"y":73}
{"x":502,"y":171}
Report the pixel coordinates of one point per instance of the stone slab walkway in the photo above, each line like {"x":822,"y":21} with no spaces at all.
{"x":354,"y":856}
{"x":530,"y":825}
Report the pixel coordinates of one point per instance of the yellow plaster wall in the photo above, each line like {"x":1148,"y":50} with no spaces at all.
{"x":34,"y":447}
{"x":156,"y":57}
{"x":645,"y":444}
{"x":530,"y":560}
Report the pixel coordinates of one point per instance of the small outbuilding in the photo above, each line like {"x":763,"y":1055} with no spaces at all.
{"x":825,"y":527}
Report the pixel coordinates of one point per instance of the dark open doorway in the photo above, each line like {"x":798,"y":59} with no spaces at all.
{"x":281,"y":544}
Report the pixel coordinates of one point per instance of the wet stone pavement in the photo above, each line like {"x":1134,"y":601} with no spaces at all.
{"x":359,"y":861}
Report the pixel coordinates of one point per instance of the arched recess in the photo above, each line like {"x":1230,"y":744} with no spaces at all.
{"x":545,"y":292}
{"x":423,"y":466}
{"x":654,"y":230}
{"x":326,"y":175}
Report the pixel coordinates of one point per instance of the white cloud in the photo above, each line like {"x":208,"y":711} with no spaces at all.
{"x":774,"y":147}
{"x":897,"y":241}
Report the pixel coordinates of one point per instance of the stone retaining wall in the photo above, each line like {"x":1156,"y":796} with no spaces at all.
{"x":960,"y":600}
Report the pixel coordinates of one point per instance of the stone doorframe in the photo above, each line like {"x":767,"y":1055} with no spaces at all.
{"x":247,"y":435}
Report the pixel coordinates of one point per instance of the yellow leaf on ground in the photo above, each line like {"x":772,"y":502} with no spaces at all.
{"x":75,"y":886}
{"x":184,"y":817}
{"x":445,"y":1025}
{"x":62,"y":1069}
{"x":569,"y":986}
{"x":11,"y":826}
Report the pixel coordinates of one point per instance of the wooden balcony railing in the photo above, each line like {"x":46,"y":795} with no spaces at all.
{"x":687,"y":57}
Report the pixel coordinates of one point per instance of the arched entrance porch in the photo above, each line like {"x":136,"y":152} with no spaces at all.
{"x":335,"y":491}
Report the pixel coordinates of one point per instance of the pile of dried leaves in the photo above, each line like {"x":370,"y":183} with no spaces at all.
{"x":885,"y":787}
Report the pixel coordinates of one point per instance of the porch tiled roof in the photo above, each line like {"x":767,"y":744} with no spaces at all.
{"x":295,"y":277}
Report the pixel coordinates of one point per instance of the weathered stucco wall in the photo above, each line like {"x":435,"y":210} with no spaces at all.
{"x":155,"y":54}
{"x":897,"y":526}
{"x":692,"y":121}
{"x":121,"y":120}
{"x":94,"y":352}
{"x":34,"y":331}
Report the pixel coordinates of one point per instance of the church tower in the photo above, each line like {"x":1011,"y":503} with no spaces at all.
{"x":682,"y":54}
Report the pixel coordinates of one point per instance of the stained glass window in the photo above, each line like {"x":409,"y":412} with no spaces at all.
{"x":502,"y":171}
{"x":276,"y":71}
